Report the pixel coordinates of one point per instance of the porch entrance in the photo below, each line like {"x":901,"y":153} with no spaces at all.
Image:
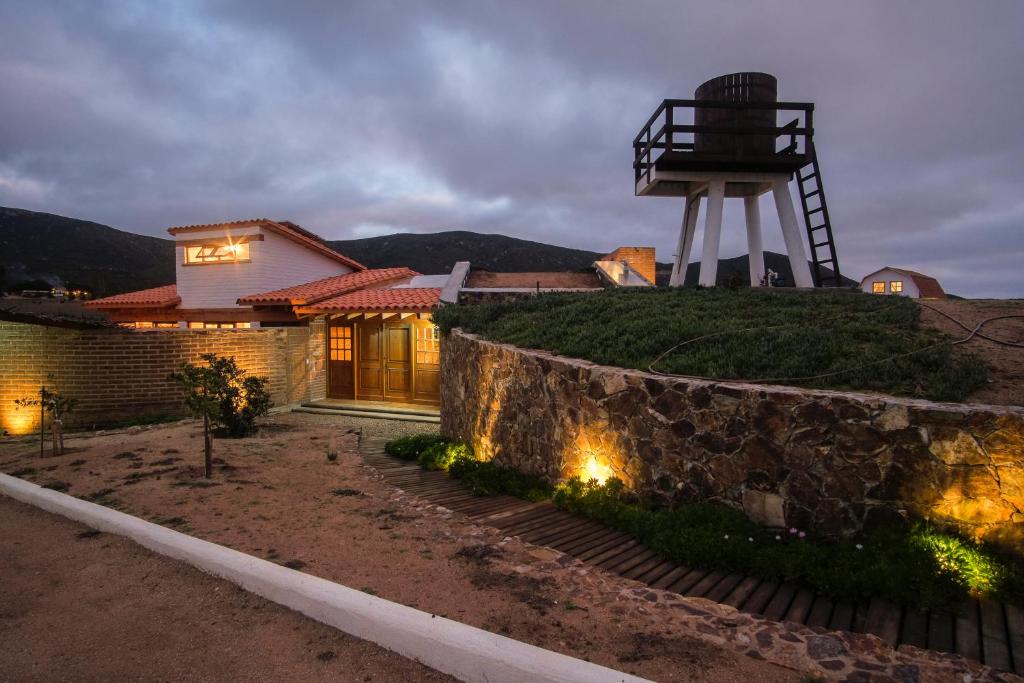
{"x":395,"y":359}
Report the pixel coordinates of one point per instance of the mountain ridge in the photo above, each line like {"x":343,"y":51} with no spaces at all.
{"x":63,"y":251}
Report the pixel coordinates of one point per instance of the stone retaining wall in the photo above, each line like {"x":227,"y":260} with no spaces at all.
{"x":826,"y":461}
{"x":118,"y":374}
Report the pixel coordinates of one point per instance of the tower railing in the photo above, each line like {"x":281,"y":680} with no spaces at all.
{"x":666,"y":132}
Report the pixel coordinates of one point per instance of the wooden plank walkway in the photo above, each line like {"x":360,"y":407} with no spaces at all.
{"x":982,"y":630}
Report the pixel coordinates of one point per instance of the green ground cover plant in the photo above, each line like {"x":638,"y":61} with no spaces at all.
{"x":917,"y":565}
{"x":739,"y":334}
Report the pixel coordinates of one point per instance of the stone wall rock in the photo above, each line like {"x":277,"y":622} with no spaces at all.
{"x":830,"y":462}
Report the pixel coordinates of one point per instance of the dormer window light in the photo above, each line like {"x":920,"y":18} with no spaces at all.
{"x":216,"y":252}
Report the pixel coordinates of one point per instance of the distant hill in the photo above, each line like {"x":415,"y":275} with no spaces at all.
{"x":437,"y":252}
{"x":104,"y":260}
{"x":77,"y":253}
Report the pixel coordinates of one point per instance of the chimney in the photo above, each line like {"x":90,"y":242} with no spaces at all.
{"x":640,"y":259}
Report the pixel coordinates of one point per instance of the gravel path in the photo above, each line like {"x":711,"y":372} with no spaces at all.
{"x":372,"y":427}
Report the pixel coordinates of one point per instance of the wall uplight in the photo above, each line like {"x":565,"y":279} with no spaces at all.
{"x":596,"y":470}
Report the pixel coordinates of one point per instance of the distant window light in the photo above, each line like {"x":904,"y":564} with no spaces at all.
{"x":217,"y":253}
{"x":218,"y":326}
{"x":878,"y":287}
{"x":147,"y":325}
{"x":896,"y":286}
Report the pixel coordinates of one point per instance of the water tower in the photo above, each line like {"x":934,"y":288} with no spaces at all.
{"x":726,"y":142}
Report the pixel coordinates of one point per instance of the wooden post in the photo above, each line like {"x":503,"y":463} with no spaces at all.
{"x":207,"y":446}
{"x":42,"y":419}
{"x":58,"y":437}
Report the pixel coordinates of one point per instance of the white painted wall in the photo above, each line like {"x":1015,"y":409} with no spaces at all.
{"x":275,"y":262}
{"x":887,"y":275}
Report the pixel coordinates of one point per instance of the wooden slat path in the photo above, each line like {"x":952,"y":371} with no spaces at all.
{"x":986,"y":631}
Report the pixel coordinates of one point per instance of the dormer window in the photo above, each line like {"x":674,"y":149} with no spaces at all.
{"x":216,"y":252}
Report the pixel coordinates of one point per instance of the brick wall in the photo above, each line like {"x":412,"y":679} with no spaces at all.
{"x":118,"y":374}
{"x":640,"y":259}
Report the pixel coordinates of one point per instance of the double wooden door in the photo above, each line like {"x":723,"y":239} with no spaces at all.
{"x":384,"y":361}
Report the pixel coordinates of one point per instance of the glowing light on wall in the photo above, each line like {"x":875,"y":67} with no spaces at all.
{"x":19,"y":421}
{"x":595,"y":469}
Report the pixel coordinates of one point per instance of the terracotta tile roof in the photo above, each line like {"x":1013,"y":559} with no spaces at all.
{"x":157,"y":297}
{"x":285,"y":229}
{"x":412,"y":299}
{"x":928,"y":286}
{"x":311,"y":292}
{"x":554,"y":280}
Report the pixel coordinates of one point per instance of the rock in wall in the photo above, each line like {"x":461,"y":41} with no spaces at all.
{"x":826,"y":461}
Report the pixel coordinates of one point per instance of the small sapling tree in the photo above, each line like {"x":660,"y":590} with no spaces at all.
{"x":57,"y":406}
{"x":222,"y":394}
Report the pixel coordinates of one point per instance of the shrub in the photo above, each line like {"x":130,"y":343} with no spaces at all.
{"x":920,"y":566}
{"x":221,"y":393}
{"x":441,"y":455}
{"x":410,"y":447}
{"x":488,"y":479}
{"x":857,"y":341}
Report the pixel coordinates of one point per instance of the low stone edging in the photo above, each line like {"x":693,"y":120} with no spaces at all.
{"x":468,"y":653}
{"x":829,"y":461}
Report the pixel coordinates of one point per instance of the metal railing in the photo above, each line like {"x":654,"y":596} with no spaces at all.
{"x":664,"y":133}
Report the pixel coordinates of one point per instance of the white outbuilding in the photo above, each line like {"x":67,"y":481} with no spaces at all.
{"x":902,"y":282}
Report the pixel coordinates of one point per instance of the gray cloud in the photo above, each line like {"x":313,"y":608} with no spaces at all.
{"x":360,"y":119}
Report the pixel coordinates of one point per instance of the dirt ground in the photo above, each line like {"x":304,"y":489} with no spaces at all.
{"x":76,"y":604}
{"x":277,"y":496}
{"x":1006,"y":364}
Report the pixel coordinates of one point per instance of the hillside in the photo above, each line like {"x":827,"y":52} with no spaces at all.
{"x":104,"y":260}
{"x":437,"y":252}
{"x":77,"y":253}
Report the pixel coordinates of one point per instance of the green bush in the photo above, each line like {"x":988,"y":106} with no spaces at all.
{"x":441,"y":455}
{"x":224,"y":393}
{"x":739,"y":334}
{"x":488,"y":479}
{"x":410,"y":447}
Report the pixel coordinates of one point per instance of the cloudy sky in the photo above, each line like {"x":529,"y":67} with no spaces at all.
{"x":515,"y":117}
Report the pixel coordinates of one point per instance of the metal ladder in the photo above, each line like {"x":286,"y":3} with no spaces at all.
{"x":819,"y":237}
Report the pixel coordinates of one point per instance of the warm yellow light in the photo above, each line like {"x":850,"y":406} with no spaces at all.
{"x":596,"y":470}
{"x":19,"y":421}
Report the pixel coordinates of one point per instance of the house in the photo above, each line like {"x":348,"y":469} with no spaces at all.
{"x":380,"y":341}
{"x":624,"y":267}
{"x":902,"y":282}
{"x":378,"y":337}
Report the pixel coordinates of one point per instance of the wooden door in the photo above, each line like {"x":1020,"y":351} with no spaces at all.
{"x":370,"y":361}
{"x":397,"y":362}
{"x":340,"y":365}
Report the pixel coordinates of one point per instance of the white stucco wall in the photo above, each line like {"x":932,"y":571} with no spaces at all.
{"x":887,"y":275}
{"x":275,"y":262}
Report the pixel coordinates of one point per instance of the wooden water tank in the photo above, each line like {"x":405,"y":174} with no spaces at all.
{"x":739,"y":87}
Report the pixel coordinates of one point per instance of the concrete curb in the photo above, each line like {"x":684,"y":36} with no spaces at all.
{"x":465,"y":652}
